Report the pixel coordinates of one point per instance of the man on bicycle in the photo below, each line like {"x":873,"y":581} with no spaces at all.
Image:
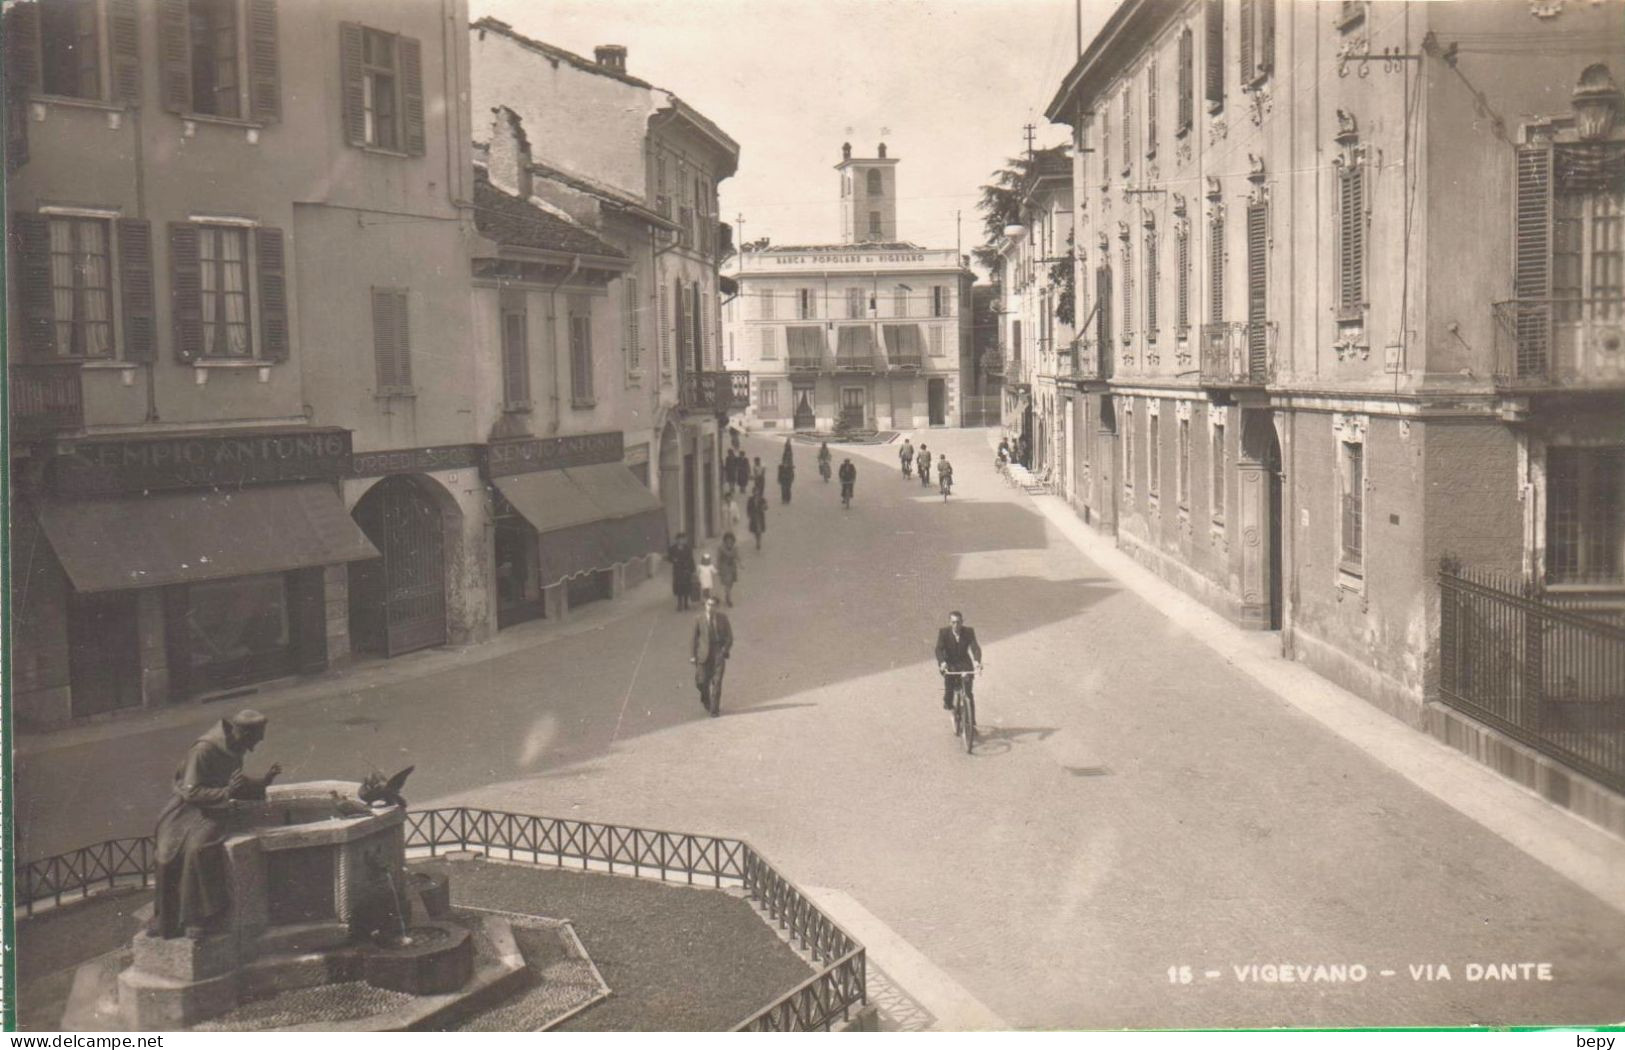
{"x":713,"y":642}
{"x":957,"y":650}
{"x":849,"y":480}
{"x":823,"y":460}
{"x":906,"y":455}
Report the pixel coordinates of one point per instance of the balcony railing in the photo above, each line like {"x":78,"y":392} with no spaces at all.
{"x":856,"y":362}
{"x":1091,"y":360}
{"x":45,"y":399}
{"x":718,"y":392}
{"x":904,"y":361}
{"x":805,"y":362}
{"x":1577,"y":343}
{"x":1238,"y":353}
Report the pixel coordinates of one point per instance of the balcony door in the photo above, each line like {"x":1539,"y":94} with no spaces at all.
{"x":853,"y":408}
{"x":806,"y":418}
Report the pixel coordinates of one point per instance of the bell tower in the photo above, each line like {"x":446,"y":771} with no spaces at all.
{"x":868,"y":196}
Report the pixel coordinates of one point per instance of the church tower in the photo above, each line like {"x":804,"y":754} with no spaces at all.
{"x":868,"y":196}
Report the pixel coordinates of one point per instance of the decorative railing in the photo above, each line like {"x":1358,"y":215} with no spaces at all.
{"x":828,"y":998}
{"x":1090,"y":360}
{"x":855,"y":362}
{"x":1560,"y":342}
{"x":718,"y":392}
{"x":901,"y":361}
{"x":45,"y":399}
{"x":1535,"y":667}
{"x":805,"y":362}
{"x":1238,"y":353}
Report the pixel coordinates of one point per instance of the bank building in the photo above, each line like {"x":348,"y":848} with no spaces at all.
{"x":863,"y":334}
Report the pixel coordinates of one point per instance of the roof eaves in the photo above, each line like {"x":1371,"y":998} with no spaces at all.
{"x":1111,"y":49}
{"x":550,"y":51}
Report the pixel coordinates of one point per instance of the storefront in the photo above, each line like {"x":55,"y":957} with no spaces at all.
{"x":177,"y":566}
{"x":570,"y":517}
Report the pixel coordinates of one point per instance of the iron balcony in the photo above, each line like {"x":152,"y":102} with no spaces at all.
{"x":1560,"y":343}
{"x":46,"y":399}
{"x":1238,"y":354}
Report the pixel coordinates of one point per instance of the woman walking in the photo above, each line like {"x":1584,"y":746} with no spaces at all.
{"x":756,"y":512}
{"x":728,"y":566}
{"x":681,"y":556}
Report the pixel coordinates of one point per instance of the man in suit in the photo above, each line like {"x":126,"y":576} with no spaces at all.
{"x":957,"y":650}
{"x":713,"y":642}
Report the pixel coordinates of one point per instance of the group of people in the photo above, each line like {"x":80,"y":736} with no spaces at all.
{"x":923,"y":460}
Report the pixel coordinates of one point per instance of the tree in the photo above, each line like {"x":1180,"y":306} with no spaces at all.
{"x":1001,"y":198}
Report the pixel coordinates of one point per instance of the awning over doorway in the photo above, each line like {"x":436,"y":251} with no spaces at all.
{"x":150,"y":541}
{"x":587,"y":518}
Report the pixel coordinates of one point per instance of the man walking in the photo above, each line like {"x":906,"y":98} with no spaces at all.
{"x":713,"y":643}
{"x":787,"y":477}
{"x":849,"y":481}
{"x":681,"y":556}
{"x":756,"y":514}
{"x":758,"y":477}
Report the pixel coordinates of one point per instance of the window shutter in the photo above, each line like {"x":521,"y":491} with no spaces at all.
{"x":1257,"y":302}
{"x":124,"y":50}
{"x":1187,"y":81}
{"x":1532,"y":258}
{"x":264,"y":85}
{"x":411,"y":54}
{"x":1351,"y":238}
{"x":1213,"y":14}
{"x":354,"y":98}
{"x":1245,"y":58}
{"x":1128,"y":294}
{"x":634,"y":322}
{"x":1182,"y":292}
{"x":174,"y":55}
{"x":21,"y":28}
{"x":185,"y":291}
{"x":31,"y":239}
{"x":1128,"y":128}
{"x":391,"y":341}
{"x":1151,"y":281}
{"x":663,"y":334}
{"x":1103,"y":319}
{"x":270,"y":261}
{"x":1215,"y":261}
{"x":1266,"y":36}
{"x":1151,"y":108}
{"x":136,"y":289}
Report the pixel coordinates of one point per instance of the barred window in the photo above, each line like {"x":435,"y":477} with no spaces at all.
{"x":1220,"y":456}
{"x":1351,"y":522}
{"x":1585,"y":515}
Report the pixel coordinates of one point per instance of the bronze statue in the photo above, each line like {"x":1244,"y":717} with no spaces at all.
{"x":192,"y":890}
{"x":376,"y":789}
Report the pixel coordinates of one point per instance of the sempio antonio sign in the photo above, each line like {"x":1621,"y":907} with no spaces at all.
{"x":181,"y":461}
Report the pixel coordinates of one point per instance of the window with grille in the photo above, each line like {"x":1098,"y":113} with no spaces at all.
{"x":766,"y":300}
{"x":1350,"y":240}
{"x":1220,"y":457}
{"x":1351,"y":520}
{"x":391,"y":341}
{"x":1187,"y":82}
{"x":634,"y":322}
{"x":1213,"y":54}
{"x":1215,"y":272}
{"x":81,"y":287}
{"x":1153,"y":455}
{"x":581,"y":364}
{"x":1256,"y":55}
{"x":1152,"y":280}
{"x":1182,"y":280}
{"x":515,"y":354}
{"x":1151,"y":107}
{"x":1182,"y":480}
{"x":1585,"y":515}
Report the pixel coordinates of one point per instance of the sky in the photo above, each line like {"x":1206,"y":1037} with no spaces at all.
{"x":947,"y":84}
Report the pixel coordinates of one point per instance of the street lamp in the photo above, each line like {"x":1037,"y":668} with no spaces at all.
{"x":1015,"y":231}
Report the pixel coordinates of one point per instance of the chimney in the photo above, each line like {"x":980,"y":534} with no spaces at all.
{"x":846,"y":151}
{"x":882,"y":153}
{"x":610,"y":56}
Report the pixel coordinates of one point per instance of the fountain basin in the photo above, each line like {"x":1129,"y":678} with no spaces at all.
{"x":431,"y":958}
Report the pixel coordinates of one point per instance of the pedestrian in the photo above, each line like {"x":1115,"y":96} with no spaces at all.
{"x":733,"y":436}
{"x":705,"y":574}
{"x":756,"y":512}
{"x":730,"y":512}
{"x":758,"y":477}
{"x":713,"y":644}
{"x":741,"y":473}
{"x":787,"y":477}
{"x":849,"y":481}
{"x":728,"y":474}
{"x":1004,"y":448}
{"x":906,"y":455}
{"x":728,"y":566}
{"x":789,"y":457}
{"x":924,"y":461}
{"x":681,"y":556}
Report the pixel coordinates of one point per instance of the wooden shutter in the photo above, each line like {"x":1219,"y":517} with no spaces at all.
{"x":269,"y":259}
{"x":1245,"y":57}
{"x":1215,"y":280}
{"x":185,"y":291}
{"x":21,"y":28}
{"x":391,"y":341}
{"x":1213,"y":17}
{"x":411,"y":56}
{"x":1266,"y":36}
{"x":1103,"y":318}
{"x":31,"y":240}
{"x":1351,"y":238}
{"x":353,"y":97}
{"x":1257,"y":301}
{"x":1128,"y":126}
{"x":663,"y":333}
{"x":1532,"y":258}
{"x":1128,"y":293}
{"x":264,"y":79}
{"x":1151,"y":108}
{"x":136,"y":289}
{"x":1187,"y":81}
{"x":174,"y":56}
{"x":1182,"y":280}
{"x":1151,"y":280}
{"x":124,"y":50}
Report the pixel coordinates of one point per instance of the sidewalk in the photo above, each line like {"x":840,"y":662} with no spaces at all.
{"x":1574,"y":848}
{"x":363,"y":675}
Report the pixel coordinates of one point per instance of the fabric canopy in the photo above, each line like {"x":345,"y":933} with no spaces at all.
{"x":150,"y":541}
{"x":903,"y":339}
{"x":587,"y":519}
{"x":855,"y":341}
{"x":805,"y":341}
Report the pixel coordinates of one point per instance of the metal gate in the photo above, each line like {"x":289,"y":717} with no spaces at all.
{"x":403,"y":522}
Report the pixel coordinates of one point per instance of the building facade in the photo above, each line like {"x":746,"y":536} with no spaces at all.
{"x":865,"y":334}
{"x":1354,"y":286}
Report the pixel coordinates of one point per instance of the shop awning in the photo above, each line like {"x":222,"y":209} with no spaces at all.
{"x":150,"y":541}
{"x":587,"y":518}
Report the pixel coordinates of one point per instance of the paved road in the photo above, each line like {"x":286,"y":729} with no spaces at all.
{"x":1138,"y":804}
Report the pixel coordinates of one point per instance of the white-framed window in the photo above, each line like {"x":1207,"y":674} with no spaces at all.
{"x":81,"y":276}
{"x":765,"y":298}
{"x":1350,"y":432}
{"x":769,"y":391}
{"x":1585,"y":515}
{"x":1153,"y":450}
{"x":224,"y":268}
{"x":770,"y":343}
{"x":805,"y":300}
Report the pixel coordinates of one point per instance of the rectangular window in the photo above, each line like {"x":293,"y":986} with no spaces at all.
{"x":770,"y":394}
{"x":634,"y":323}
{"x":770,"y":344}
{"x":1153,"y":456}
{"x":854,"y":302}
{"x":1351,"y":523}
{"x":1128,"y":130}
{"x":1213,"y":54}
{"x":1220,"y":457}
{"x":1182,"y":281}
{"x":766,"y":299}
{"x":1128,"y":446}
{"x":212,"y":32}
{"x":1183,"y":480}
{"x":1187,"y":82}
{"x":664,"y":336}
{"x":1585,"y":515}
{"x":1350,"y":239}
{"x":935,"y":340}
{"x":1257,"y":290}
{"x":1152,"y":279}
{"x":1215,"y":271}
{"x":899,"y":303}
{"x":223,"y":259}
{"x":876,"y":232}
{"x":1151,"y":107}
{"x":804,"y":304}
{"x":70,"y":58}
{"x":1128,"y":293}
{"x":515,"y":355}
{"x":581,"y":364}
{"x":380,"y":111}
{"x":391,"y":341}
{"x":1257,"y":52}
{"x":81,"y":287}
{"x":939,"y":300}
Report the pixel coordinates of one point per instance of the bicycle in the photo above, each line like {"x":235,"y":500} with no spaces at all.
{"x":823,"y":469}
{"x":846,"y":495}
{"x":964,"y":709}
{"x":908,"y":469}
{"x":946,"y":481}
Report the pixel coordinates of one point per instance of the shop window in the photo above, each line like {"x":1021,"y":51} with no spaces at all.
{"x":236,"y":631}
{"x":381,"y":75}
{"x":519,"y":594}
{"x":1585,"y":515}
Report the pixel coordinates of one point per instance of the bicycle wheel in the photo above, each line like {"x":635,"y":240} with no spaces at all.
{"x":970,"y":719}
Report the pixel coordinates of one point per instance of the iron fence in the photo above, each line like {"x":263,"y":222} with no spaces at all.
{"x":1539,"y":668}
{"x":1238,"y":353}
{"x":827,"y":998}
{"x":46,"y":398}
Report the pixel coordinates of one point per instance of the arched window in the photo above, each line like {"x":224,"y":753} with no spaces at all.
{"x":875,"y":189}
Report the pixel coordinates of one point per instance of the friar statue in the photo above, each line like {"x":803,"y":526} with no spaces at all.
{"x":192,"y":884}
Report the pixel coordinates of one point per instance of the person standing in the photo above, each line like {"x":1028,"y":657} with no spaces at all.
{"x":728,"y":566}
{"x":705,"y":575}
{"x":924,"y":460}
{"x":789,"y":456}
{"x":756,"y":513}
{"x":681,"y":556}
{"x":787,"y":477}
{"x":906,"y":455}
{"x":758,"y":477}
{"x":713,"y":644}
{"x":742,"y":474}
{"x":728,"y":474}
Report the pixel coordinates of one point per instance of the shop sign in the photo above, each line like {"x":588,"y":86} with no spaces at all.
{"x":87,"y":468}
{"x":532,"y":454}
{"x":637,"y":454}
{"x":414,"y":460}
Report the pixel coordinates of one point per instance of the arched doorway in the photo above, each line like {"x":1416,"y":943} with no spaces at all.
{"x":671,"y":478}
{"x":398,"y":602}
{"x":1259,"y":481}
